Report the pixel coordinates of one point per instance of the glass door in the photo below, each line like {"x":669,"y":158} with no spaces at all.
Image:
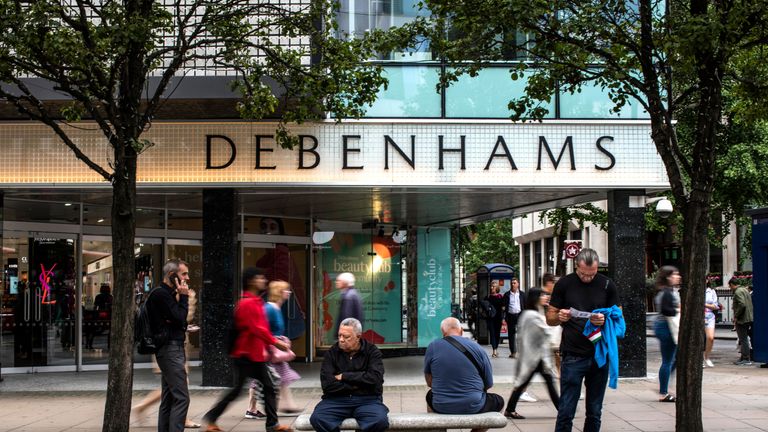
{"x":39,"y":302}
{"x":286,"y":262}
{"x":97,"y":276}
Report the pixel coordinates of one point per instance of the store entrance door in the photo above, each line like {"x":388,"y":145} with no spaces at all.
{"x":39,"y":302}
{"x":287,"y":262}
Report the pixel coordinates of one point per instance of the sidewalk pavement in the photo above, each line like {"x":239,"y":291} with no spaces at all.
{"x":734,"y":398}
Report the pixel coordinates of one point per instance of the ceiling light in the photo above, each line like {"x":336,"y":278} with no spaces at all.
{"x":100,"y":220}
{"x":67,"y":204}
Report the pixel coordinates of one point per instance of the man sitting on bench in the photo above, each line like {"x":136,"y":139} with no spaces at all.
{"x":459,"y":373}
{"x":352,"y":377}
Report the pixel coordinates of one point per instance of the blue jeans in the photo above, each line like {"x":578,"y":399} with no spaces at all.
{"x":668,"y":354}
{"x":573,"y":370}
{"x":369,"y":411}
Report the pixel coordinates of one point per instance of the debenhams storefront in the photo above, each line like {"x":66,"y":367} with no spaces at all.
{"x":376,"y":198}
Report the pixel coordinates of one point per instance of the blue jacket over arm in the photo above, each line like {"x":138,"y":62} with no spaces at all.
{"x":607,"y":349}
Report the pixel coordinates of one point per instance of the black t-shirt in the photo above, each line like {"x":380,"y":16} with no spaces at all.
{"x":571,"y":292}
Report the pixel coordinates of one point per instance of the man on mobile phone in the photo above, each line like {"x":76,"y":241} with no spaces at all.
{"x":168,"y":307}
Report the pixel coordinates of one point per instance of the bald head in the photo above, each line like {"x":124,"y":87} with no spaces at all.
{"x":451,"y":327}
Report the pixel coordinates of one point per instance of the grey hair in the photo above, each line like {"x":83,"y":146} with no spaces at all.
{"x":349,"y":278}
{"x":587,"y":256}
{"x":172,"y":266}
{"x":449,"y":323}
{"x":354,"y":323}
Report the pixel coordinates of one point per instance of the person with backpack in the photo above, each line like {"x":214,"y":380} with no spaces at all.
{"x":492,"y":307}
{"x":251,"y":338}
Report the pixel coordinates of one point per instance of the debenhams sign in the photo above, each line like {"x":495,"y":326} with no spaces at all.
{"x":370,"y":154}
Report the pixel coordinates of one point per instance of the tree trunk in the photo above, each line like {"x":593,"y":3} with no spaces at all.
{"x":562,"y":261}
{"x":117,"y":409}
{"x":691,"y":338}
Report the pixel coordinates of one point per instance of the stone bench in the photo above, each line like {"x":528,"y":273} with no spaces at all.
{"x":422,"y":422}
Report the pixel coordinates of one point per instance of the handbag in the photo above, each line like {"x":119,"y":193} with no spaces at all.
{"x":279,"y":356}
{"x":674,"y":326}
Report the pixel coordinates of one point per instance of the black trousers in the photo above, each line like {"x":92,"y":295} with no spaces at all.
{"x":493,"y":403}
{"x":518,"y":391}
{"x":174,"y":401}
{"x":511,"y":320}
{"x":243,"y":369}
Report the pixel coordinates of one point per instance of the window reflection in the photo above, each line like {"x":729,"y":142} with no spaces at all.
{"x":98,"y":284}
{"x":192,"y":253}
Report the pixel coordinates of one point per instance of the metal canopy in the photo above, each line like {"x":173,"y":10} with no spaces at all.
{"x":406,"y":206}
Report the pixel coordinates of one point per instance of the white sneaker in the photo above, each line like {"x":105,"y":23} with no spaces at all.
{"x":526,"y":397}
{"x":709,"y":363}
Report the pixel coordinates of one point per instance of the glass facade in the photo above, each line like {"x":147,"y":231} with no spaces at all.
{"x":413,"y":76}
{"x":357,"y":17}
{"x":375,"y":261}
{"x":411,"y":93}
{"x":593,"y":103}
{"x":57,"y":290}
{"x":486,"y":95}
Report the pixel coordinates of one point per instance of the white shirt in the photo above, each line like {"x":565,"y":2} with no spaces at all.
{"x":514,"y":302}
{"x":710,"y":297}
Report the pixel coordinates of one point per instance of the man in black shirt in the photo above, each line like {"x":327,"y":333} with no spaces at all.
{"x":584,"y":291}
{"x":167,"y":307}
{"x":352,"y":377}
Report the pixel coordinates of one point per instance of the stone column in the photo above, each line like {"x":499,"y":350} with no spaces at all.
{"x":220,"y":282}
{"x":626,"y":265}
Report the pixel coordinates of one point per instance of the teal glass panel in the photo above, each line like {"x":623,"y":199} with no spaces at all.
{"x":486,"y":95}
{"x":434,"y":282}
{"x":593,"y":103}
{"x":411,"y":93}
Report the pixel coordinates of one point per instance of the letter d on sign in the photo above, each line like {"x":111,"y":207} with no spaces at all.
{"x":208,"y":145}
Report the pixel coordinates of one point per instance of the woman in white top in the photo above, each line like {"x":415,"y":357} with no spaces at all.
{"x":710,"y":306}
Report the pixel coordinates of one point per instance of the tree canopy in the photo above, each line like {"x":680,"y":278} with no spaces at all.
{"x":669,"y":57}
{"x":115,"y":63}
{"x":485,"y":243}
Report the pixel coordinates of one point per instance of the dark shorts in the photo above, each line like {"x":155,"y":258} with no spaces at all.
{"x":493,"y":403}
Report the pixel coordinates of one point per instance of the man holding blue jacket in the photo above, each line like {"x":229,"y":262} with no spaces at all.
{"x":574,"y":298}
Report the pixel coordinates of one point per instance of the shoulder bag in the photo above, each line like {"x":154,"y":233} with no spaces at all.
{"x":471,"y":358}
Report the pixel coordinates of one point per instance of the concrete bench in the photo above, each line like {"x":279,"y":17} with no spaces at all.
{"x":423,"y":422}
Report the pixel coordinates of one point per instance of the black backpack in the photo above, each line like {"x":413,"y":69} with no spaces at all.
{"x":487,"y":311}
{"x":147,"y":342}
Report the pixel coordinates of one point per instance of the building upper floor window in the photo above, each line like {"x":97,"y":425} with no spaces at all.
{"x":357,"y":17}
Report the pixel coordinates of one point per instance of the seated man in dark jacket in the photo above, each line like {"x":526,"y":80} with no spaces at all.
{"x":352,"y":377}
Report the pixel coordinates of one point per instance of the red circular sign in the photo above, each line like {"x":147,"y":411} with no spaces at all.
{"x":571,"y":250}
